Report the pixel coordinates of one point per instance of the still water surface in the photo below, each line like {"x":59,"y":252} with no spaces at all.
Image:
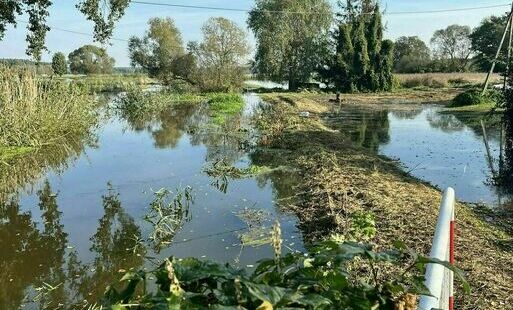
{"x":83,"y":226}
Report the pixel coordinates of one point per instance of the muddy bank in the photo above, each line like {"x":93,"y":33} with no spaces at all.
{"x":339,"y":179}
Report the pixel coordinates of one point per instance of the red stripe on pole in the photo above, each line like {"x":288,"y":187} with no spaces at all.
{"x":451,"y":242}
{"x":452,"y":235}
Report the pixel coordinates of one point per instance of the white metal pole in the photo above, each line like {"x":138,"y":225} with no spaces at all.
{"x":439,"y":250}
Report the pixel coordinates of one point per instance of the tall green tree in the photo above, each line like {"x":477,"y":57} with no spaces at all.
{"x":104,"y":14}
{"x":221,"y":55}
{"x":291,"y":38}
{"x":453,"y":46}
{"x":59,"y":64}
{"x":90,"y":59}
{"x":485,"y":40}
{"x":411,"y":55}
{"x":160,"y":52}
{"x":363,"y":61}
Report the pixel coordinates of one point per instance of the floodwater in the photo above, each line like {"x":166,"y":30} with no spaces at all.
{"x":79,"y":225}
{"x":83,"y":226}
{"x":442,"y":148}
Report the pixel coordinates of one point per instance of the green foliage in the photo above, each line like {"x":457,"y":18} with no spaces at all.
{"x":161,"y":53}
{"x":485,"y":40}
{"x":38,"y":67}
{"x":104,"y":14}
{"x":167,"y":215}
{"x":37,"y":11}
{"x":411,"y":55}
{"x":90,"y":59}
{"x":363,"y":60}
{"x":475,"y":97}
{"x":453,"y":46}
{"x":319,"y":280}
{"x":220,"y":56}
{"x":36,"y":112}
{"x":59,"y":64}
{"x":290,"y":46}
{"x":224,"y":106}
{"x":137,"y":103}
{"x":99,"y":83}
{"x":363,"y":226}
{"x":8,"y":153}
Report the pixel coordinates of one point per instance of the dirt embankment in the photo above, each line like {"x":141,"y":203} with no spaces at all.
{"x":338,"y":179}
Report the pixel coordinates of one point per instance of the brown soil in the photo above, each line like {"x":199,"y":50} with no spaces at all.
{"x":338,"y":179}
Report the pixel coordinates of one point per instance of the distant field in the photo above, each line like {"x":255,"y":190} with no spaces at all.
{"x":445,"y":78}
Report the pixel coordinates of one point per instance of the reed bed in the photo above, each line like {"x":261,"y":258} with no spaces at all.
{"x":38,"y":112}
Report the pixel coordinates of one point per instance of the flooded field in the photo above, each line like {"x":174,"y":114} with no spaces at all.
{"x":442,"y":148}
{"x":79,"y":227}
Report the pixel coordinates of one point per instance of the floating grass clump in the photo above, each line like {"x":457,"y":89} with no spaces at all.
{"x":224,"y":106}
{"x":37,"y":112}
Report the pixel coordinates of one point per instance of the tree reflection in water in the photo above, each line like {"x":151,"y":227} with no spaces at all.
{"x":34,"y":255}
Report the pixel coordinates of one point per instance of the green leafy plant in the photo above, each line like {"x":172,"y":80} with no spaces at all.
{"x":224,"y":106}
{"x":320,"y":279}
{"x":363,"y":226}
{"x":167,"y":215}
{"x":476,"y":97}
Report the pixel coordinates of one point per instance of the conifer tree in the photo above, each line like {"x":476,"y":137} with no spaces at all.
{"x":363,"y":61}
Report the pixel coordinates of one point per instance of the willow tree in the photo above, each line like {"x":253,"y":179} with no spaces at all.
{"x":221,"y":55}
{"x":160,"y":52}
{"x":103,"y":13}
{"x":291,"y":38}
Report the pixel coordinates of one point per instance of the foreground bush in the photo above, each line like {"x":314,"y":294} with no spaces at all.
{"x":475,"y":97}
{"x":36,"y":112}
{"x":326,"y":278}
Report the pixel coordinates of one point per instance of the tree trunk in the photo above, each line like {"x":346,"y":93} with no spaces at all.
{"x":293,"y":85}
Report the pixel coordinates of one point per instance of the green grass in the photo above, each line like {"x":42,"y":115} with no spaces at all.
{"x":40,"y":112}
{"x":137,"y":102}
{"x":224,"y":106}
{"x":8,"y":153}
{"x":107,"y":82}
{"x":475,"y":97}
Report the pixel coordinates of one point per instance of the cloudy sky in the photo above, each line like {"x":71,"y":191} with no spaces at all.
{"x":64,"y":16}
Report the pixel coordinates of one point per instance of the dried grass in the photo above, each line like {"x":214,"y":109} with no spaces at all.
{"x":338,"y":180}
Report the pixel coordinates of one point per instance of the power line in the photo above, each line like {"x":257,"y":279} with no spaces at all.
{"x":77,"y":32}
{"x":295,"y":12}
{"x":285,"y":12}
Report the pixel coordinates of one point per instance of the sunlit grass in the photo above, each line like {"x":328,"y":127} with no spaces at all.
{"x":36,"y":112}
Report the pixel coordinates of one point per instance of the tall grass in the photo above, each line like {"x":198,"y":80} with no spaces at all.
{"x":39,"y":112}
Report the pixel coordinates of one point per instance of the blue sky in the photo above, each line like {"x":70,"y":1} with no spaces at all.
{"x":64,"y":15}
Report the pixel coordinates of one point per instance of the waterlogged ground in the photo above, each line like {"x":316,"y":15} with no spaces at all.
{"x":443,"y":148}
{"x":78,"y":228}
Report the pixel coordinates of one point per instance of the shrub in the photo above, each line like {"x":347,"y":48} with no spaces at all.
{"x":321,"y":279}
{"x":37,"y":112}
{"x":475,"y":97}
{"x":426,"y":81}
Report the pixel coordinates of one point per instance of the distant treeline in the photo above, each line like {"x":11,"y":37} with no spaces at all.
{"x":456,"y":48}
{"x":46,"y":67}
{"x":41,"y":68}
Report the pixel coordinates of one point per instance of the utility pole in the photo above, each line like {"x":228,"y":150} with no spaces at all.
{"x":508,"y":25}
